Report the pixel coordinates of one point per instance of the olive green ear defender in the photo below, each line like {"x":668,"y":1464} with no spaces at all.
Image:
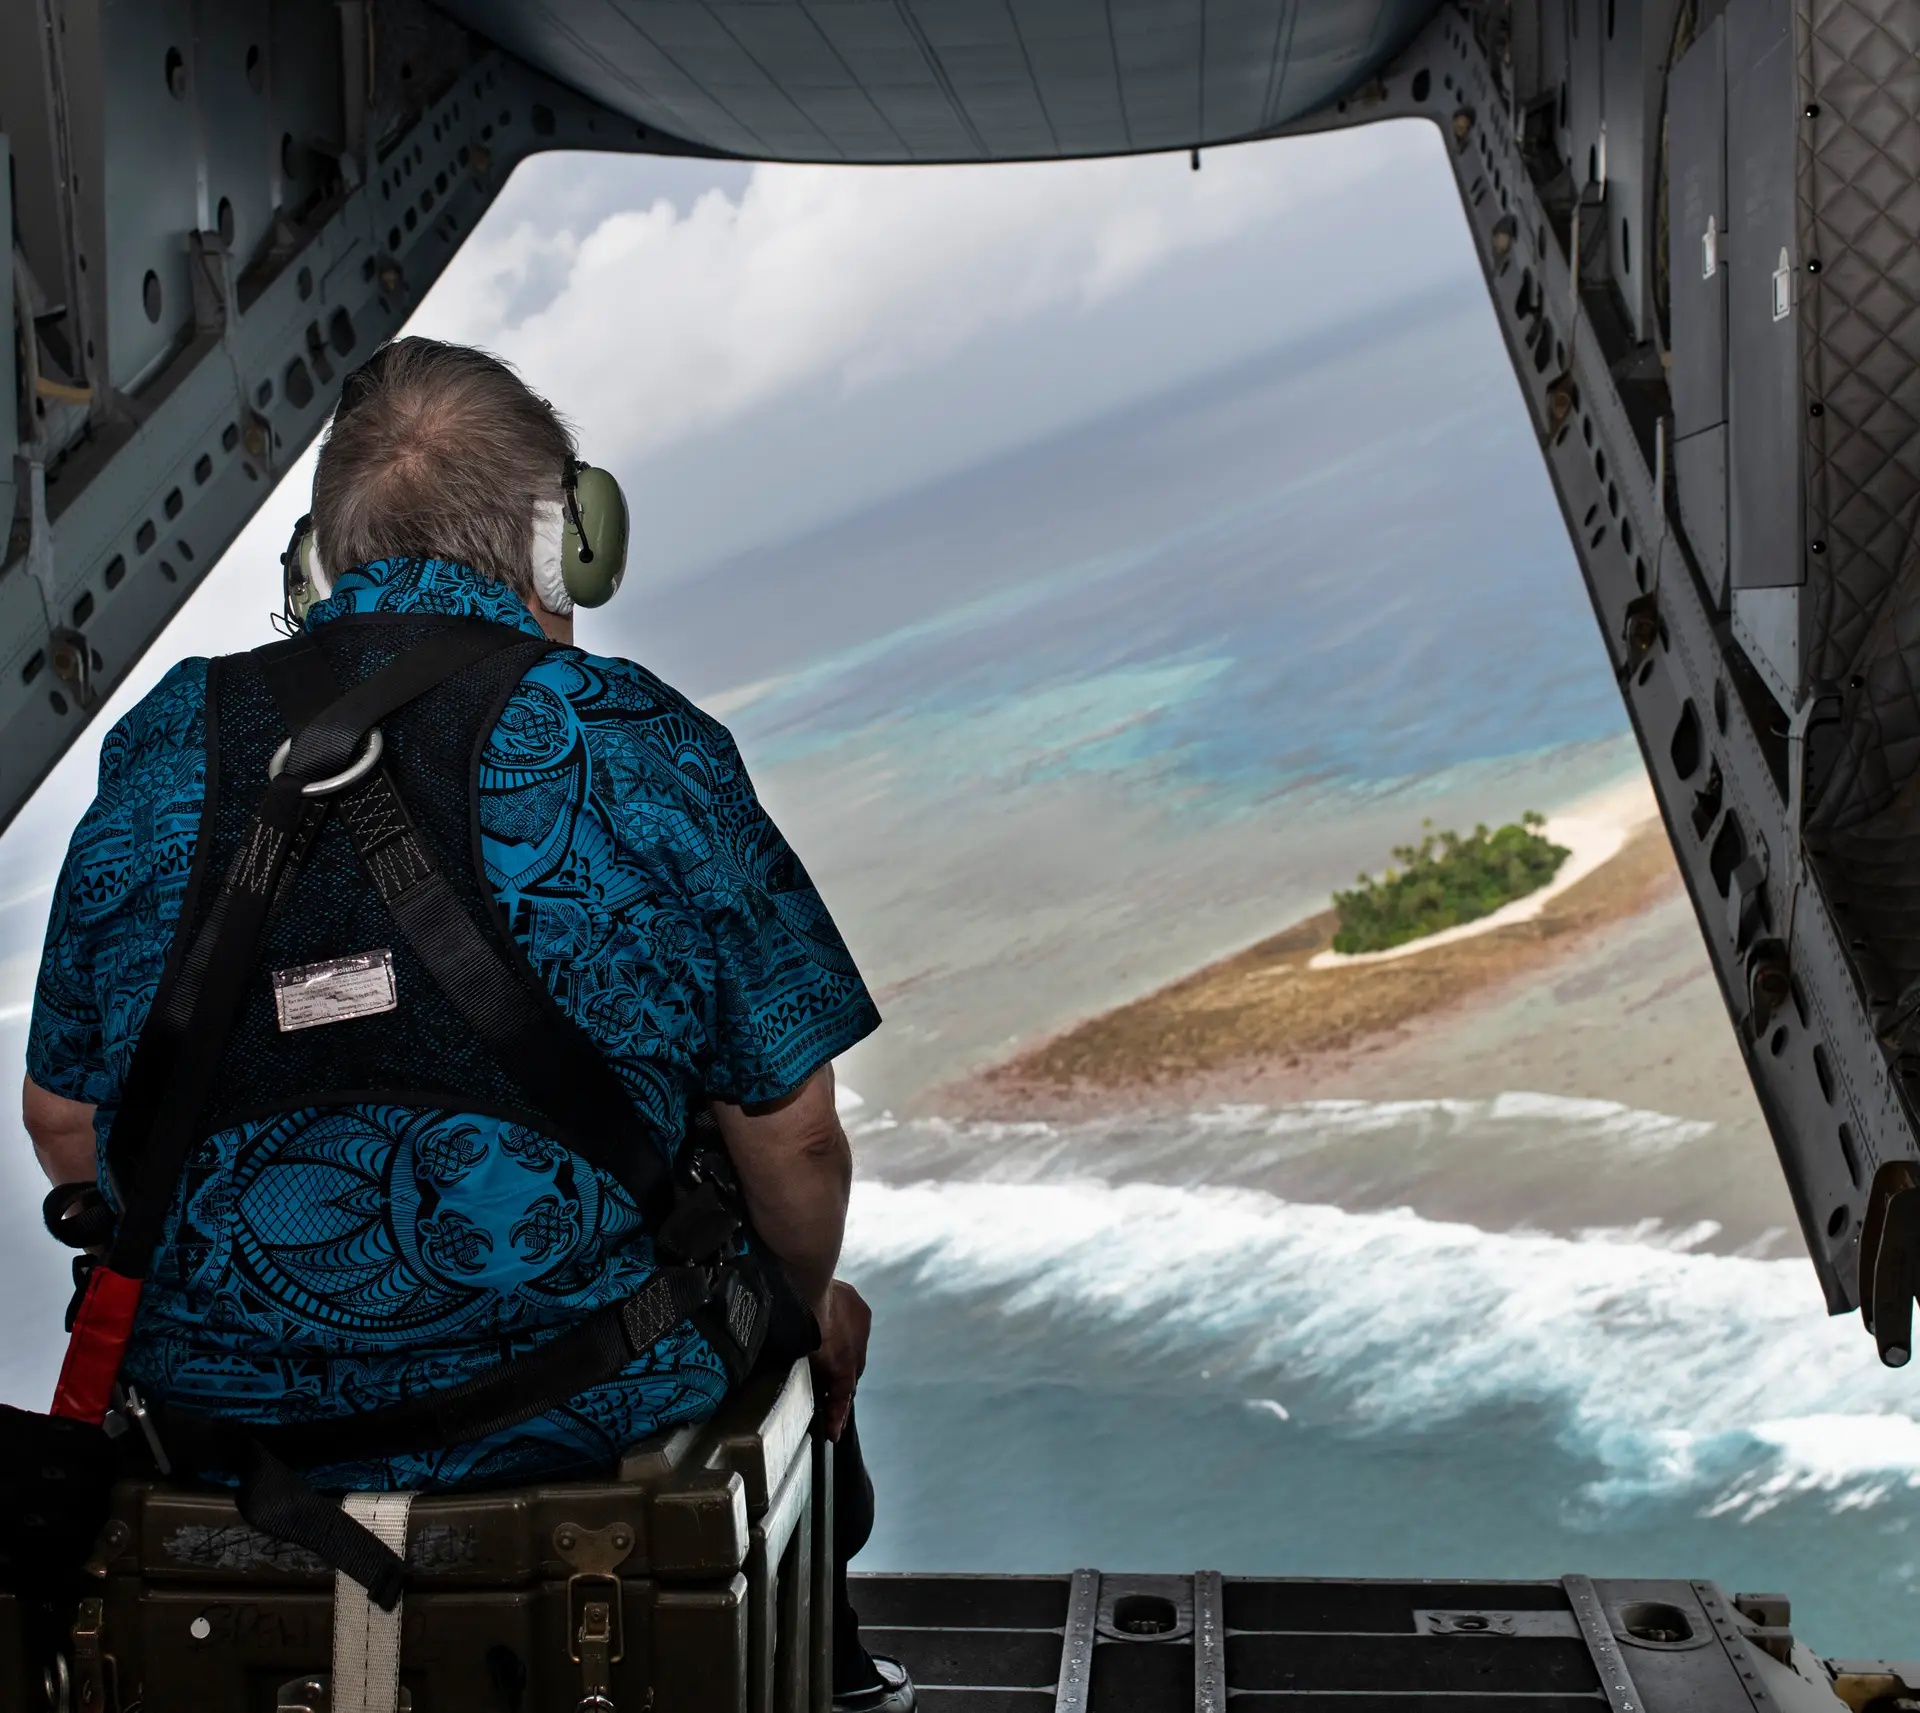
{"x":593,"y":542}
{"x":591,"y":556}
{"x":303,"y":579}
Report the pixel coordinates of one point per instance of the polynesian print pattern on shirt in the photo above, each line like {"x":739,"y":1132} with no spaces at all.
{"x":324,"y":1262}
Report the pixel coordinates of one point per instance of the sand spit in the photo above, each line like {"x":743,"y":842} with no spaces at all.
{"x":1604,"y":1001}
{"x":1266,"y":1023}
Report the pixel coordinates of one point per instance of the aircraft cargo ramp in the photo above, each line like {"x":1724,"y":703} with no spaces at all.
{"x":705,"y":1558}
{"x":1093,"y":1643}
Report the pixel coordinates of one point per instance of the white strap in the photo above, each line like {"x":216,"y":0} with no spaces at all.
{"x":366,"y":1640}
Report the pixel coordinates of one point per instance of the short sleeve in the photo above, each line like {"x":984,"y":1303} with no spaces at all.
{"x":648,"y":886}
{"x":65,"y":1050}
{"x":788,"y":995}
{"x":119,"y":892}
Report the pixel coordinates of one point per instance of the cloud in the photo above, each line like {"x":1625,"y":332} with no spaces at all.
{"x":660,"y":324}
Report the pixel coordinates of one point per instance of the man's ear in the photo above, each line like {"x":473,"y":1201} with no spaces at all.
{"x":549,"y":563}
{"x":318,"y":574}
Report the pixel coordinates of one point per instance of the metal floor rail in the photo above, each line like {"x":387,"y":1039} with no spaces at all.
{"x":1095,"y":1643}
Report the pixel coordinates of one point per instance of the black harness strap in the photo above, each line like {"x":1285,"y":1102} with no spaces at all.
{"x":181,"y":1046}
{"x":179,"y":1049}
{"x":556,"y":1062}
{"x":513,"y":1391}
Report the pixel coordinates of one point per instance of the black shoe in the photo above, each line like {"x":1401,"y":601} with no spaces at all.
{"x":893,"y":1693}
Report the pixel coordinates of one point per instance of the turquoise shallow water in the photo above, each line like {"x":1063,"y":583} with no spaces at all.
{"x":1340,"y":563}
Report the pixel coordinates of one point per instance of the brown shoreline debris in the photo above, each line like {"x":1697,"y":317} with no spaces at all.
{"x":1263,"y":1007}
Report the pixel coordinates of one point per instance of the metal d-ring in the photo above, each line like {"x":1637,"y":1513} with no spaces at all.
{"x":364,"y":763}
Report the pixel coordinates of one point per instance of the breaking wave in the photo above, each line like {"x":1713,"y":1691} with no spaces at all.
{"x":1712,"y":1379}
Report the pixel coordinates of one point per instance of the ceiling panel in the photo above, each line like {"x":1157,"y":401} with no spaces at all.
{"x":953,"y":80}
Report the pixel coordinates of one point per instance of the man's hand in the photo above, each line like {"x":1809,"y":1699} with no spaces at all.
{"x":62,"y":1134}
{"x":842,"y":1356}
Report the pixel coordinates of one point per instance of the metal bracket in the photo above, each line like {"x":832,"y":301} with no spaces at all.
{"x":596,"y":1627}
{"x":94,"y":1671}
{"x":72,"y":661}
{"x":1591,"y":1616}
{"x":1076,"y":1646}
{"x":1209,"y":1643}
{"x":112,"y":1542}
{"x":1890,"y":1260}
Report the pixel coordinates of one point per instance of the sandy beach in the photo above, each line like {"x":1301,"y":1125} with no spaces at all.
{"x":1600,"y":997}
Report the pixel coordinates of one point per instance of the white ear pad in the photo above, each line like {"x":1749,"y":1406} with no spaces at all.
{"x":319,"y":578}
{"x":549,"y":571}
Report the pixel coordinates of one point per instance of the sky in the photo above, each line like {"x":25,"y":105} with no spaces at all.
{"x":756,"y":351}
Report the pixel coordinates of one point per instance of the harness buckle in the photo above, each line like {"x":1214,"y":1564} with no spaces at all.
{"x":363,"y":764}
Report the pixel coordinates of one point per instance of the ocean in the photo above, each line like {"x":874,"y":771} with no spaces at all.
{"x":1057,"y":729}
{"x":1075,"y":1364}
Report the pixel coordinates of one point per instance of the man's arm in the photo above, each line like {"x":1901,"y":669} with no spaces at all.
{"x":796,"y":1173}
{"x":62,"y":1134}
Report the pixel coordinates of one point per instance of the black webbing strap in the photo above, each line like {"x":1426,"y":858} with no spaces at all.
{"x":78,"y":1215}
{"x":329,"y":737}
{"x":186,"y":1033}
{"x":513,"y":1391}
{"x":554,"y":1061}
{"x":277,"y":1501}
{"x":180,"y":1047}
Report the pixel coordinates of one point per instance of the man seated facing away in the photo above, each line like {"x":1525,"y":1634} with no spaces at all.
{"x":323,"y":1260}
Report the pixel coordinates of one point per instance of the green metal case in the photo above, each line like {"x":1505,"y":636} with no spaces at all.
{"x":712,"y":1536}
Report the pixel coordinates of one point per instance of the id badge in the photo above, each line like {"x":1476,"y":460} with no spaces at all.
{"x":309,"y":995}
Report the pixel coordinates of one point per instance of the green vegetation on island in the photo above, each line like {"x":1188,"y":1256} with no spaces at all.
{"x":1443,"y":881}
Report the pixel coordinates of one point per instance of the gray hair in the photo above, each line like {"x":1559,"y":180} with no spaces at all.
{"x":439,"y":452}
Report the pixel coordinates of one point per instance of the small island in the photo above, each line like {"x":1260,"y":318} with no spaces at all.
{"x":1291,"y":1018}
{"x":1444,"y":881}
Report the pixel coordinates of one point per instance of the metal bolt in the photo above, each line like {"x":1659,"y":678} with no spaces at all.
{"x":1816,"y":409}
{"x":1819,"y":547}
{"x":1462,"y":124}
{"x":1813,"y":264}
{"x":1813,"y":110}
{"x":566,"y":1540}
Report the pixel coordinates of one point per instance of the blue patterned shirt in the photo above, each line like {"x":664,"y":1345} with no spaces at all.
{"x":334,"y":1260}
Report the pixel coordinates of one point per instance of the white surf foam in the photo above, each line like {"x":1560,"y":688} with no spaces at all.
{"x":1024,"y":1149}
{"x":1675,"y":1371}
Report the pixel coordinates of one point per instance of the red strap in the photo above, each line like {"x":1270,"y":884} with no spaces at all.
{"x":100,"y":1334}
